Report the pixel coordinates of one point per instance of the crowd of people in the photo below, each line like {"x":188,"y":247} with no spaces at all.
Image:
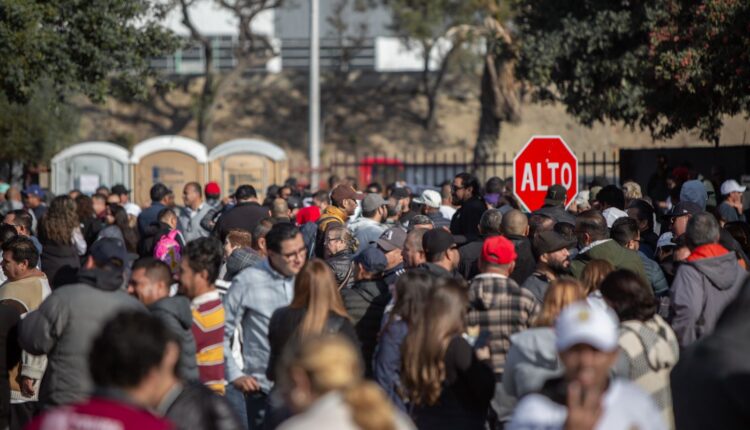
{"x":376,"y":308}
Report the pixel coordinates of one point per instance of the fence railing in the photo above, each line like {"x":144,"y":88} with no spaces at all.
{"x":432,"y":168}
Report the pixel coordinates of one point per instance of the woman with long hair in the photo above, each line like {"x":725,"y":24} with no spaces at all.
{"x":648,"y":345}
{"x":532,"y":357}
{"x":58,"y":229}
{"x":316,"y":308}
{"x":442,"y":378}
{"x":90,"y":225}
{"x":591,"y":277}
{"x":411,"y":292}
{"x":118,"y":227}
{"x":323,"y":382}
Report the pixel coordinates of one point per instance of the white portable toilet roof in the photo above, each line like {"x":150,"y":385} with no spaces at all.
{"x":106,"y":149}
{"x":248,"y":146}
{"x":169,"y":143}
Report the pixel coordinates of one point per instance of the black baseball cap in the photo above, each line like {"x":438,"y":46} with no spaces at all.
{"x":436,"y":241}
{"x":683,"y":208}
{"x":400,"y":193}
{"x":550,"y":241}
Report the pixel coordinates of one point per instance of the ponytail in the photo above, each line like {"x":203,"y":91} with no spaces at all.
{"x":370,"y":408}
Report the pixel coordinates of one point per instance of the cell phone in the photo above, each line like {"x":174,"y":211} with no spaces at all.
{"x":482,"y":340}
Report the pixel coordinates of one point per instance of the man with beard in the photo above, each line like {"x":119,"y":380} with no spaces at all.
{"x":467,"y":194}
{"x":551,"y":250}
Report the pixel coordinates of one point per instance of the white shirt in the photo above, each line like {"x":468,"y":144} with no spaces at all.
{"x":624,"y":407}
{"x":447,"y":211}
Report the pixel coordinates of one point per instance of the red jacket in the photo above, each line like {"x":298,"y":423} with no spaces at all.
{"x":101,"y":414}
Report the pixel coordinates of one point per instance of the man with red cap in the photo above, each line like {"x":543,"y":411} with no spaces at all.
{"x":499,"y":307}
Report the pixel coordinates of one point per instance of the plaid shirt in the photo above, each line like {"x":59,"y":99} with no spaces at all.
{"x":501,"y":307}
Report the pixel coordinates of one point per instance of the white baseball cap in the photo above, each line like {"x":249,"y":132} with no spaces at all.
{"x":581,"y":323}
{"x":665,"y":240}
{"x":730,"y":186}
{"x":429,"y":198}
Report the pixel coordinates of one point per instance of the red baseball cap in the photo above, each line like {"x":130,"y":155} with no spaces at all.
{"x":498,"y":250}
{"x":212,"y":188}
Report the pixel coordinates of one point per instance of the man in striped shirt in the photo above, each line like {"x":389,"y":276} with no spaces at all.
{"x":198,"y":272}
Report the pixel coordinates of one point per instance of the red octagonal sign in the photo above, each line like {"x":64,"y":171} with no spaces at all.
{"x":544,"y":161}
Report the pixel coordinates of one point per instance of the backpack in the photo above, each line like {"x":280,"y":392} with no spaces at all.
{"x":167,"y":249}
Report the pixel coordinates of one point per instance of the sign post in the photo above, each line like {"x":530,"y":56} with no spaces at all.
{"x":544,"y":161}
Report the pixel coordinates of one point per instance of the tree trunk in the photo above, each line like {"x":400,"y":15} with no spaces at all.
{"x":499,"y":96}
{"x":489,"y":122}
{"x":207,"y":98}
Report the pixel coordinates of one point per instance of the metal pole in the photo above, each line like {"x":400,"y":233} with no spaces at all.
{"x":314,"y":109}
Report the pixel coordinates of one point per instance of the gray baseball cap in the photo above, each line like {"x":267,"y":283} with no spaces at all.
{"x":372,"y":201}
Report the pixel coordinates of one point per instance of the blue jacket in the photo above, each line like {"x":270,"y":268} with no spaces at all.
{"x":149,"y":216}
{"x":386,"y":363}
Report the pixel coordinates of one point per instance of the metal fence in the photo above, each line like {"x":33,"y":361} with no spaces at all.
{"x":432,"y":168}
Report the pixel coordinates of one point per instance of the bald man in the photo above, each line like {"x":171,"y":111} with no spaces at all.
{"x":516,"y":228}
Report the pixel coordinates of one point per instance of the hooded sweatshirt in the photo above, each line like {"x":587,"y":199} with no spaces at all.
{"x":531,"y":360}
{"x":64,"y":326}
{"x":648,"y":352}
{"x":711,"y":381}
{"x":702,"y":288}
{"x":175,"y":313}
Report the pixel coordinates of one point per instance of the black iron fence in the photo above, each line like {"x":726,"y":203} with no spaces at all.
{"x":432,"y":168}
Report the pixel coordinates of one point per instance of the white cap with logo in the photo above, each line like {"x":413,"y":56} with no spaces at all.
{"x":429,"y":198}
{"x":580,"y":323}
{"x":731,"y":186}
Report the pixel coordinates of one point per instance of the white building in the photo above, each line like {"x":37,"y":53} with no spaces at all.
{"x":366,"y":43}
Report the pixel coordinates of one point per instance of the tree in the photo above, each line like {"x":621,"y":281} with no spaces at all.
{"x":499,"y":97}
{"x":438,"y":28}
{"x":35,"y":130}
{"x":251,"y":48}
{"x":79,"y":46}
{"x":664,"y":65}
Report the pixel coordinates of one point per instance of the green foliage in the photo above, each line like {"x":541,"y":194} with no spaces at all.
{"x":662,"y":65}
{"x":34,"y":131}
{"x":79,"y":46}
{"x":428,"y":20}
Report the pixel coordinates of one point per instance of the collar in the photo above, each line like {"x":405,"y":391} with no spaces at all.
{"x":336,"y":212}
{"x":205,"y":298}
{"x":490,"y":276}
{"x":592,"y":244}
{"x":266,"y":265}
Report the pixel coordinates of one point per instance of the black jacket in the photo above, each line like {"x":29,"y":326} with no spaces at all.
{"x":712,"y":378}
{"x":342,"y":267}
{"x":282,"y":333}
{"x":244,"y":215}
{"x":365,"y":302}
{"x":437,"y":271}
{"x":60,"y":262}
{"x":151,"y":237}
{"x":525,"y":262}
{"x":193,"y":406}
{"x":175,"y":313}
{"x":465,"y":221}
{"x":466,"y":393}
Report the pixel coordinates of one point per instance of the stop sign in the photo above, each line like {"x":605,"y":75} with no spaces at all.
{"x":544,"y":161}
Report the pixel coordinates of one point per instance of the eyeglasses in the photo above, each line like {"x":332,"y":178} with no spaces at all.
{"x":298,"y":253}
{"x":456,"y":188}
{"x":332,"y":239}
